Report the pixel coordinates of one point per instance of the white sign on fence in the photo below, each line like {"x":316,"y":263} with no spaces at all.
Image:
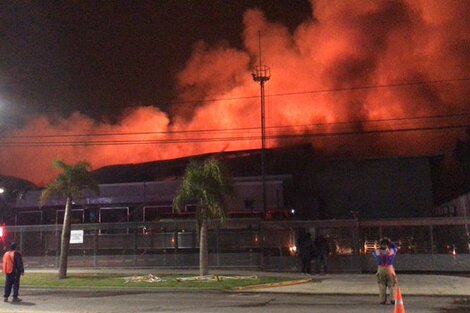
{"x":76,"y":236}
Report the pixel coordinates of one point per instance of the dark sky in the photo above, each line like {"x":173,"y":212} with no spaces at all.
{"x":58,"y":57}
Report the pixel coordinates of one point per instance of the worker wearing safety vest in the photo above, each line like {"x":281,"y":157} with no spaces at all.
{"x":13,"y":269}
{"x":386,"y":276}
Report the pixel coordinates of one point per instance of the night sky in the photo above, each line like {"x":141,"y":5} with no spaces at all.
{"x":97,"y":57}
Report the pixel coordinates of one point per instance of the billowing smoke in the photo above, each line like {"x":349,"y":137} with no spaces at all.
{"x":343,"y":80}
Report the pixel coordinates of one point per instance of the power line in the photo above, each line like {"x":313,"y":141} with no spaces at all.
{"x":224,"y":139}
{"x":328,"y":90}
{"x":363,"y":122}
{"x":391,"y":85}
{"x":315,"y":91}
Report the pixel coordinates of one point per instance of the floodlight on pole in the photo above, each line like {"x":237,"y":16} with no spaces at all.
{"x":261,"y":74}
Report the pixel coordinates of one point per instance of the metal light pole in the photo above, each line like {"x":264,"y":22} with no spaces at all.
{"x":261,"y":74}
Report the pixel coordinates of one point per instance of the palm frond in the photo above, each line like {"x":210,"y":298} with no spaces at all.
{"x":207,"y":185}
{"x":70,"y":182}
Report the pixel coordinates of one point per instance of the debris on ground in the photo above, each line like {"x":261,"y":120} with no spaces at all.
{"x":209,"y":278}
{"x":149,"y":278}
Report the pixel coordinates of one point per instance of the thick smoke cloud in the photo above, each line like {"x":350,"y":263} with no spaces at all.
{"x":313,"y":90}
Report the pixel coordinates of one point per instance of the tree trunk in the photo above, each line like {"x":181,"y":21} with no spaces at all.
{"x":65,"y":240}
{"x":198,"y":229}
{"x":203,"y":253}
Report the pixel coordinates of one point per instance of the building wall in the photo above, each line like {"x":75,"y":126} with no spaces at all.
{"x":370,"y":188}
{"x":400,"y":187}
{"x":135,"y":196}
{"x":457,"y":207}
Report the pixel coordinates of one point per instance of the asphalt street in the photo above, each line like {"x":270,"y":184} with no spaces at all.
{"x":82,"y":301}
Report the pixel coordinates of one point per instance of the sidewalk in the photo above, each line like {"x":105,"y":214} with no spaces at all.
{"x":365,"y":284}
{"x":332,"y":284}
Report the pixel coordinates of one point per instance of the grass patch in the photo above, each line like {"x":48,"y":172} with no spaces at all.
{"x":85,"y":280}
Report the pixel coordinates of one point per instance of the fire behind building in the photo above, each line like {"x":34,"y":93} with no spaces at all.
{"x":297,"y":182}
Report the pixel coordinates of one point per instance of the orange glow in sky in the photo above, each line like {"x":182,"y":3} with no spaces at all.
{"x":346,"y":44}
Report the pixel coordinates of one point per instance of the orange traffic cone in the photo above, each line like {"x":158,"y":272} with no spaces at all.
{"x":399,"y":307}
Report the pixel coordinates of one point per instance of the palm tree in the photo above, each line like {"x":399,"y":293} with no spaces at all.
{"x":205,"y":184}
{"x":69,"y":185}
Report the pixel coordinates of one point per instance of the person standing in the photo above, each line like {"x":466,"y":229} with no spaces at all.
{"x":305,"y":245}
{"x":13,"y":269}
{"x":386,"y":276}
{"x":322,"y":249}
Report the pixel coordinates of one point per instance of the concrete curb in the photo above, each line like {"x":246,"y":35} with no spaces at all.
{"x":271,"y":285}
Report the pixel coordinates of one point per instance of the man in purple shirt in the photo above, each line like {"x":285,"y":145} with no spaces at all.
{"x":386,"y":277}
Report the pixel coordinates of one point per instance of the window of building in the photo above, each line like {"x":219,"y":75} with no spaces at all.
{"x":249,"y":204}
{"x":77,"y":216}
{"x":152,"y":213}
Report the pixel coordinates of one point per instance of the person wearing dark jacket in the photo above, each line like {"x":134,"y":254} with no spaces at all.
{"x":13,"y":269}
{"x":305,"y":245}
{"x":322,"y":249}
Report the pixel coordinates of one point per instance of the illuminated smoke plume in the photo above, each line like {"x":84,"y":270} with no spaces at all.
{"x":312,"y":92}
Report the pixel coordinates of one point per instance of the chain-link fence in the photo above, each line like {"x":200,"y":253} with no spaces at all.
{"x":426,"y":244}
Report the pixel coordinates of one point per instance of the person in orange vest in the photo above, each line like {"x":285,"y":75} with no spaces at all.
{"x":13,"y":269}
{"x":386,"y":276}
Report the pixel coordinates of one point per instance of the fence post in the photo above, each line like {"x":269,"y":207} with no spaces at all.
{"x":217,"y":247}
{"x":21,"y":240}
{"x":95,"y":247}
{"x":57,"y":248}
{"x":177,"y":245}
{"x":261,"y":236}
{"x":356,"y":247}
{"x":134,"y":248}
{"x":432,"y":247}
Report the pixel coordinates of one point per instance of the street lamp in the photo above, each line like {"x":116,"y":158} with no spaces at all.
{"x":261,"y":74}
{"x":3,"y":203}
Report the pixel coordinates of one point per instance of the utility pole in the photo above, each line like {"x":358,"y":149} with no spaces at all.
{"x":261,"y":74}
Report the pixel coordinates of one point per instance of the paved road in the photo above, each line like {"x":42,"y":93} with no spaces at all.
{"x":52,"y":301}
